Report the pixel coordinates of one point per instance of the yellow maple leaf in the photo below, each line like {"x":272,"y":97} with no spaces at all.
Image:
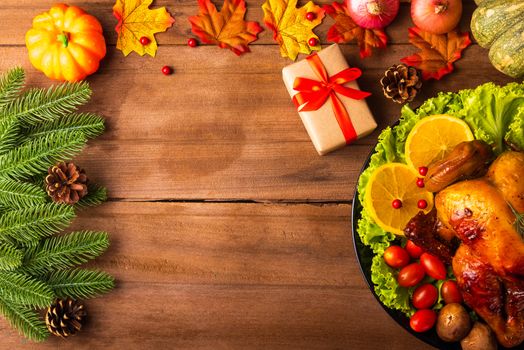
{"x":136,"y":20}
{"x":291,"y":29}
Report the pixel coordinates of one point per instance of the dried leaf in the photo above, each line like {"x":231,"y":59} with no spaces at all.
{"x":136,"y":20}
{"x":226,"y":28}
{"x":291,"y":29}
{"x":346,"y":30}
{"x":438,"y":52}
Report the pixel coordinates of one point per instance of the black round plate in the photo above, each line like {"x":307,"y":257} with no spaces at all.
{"x":365,"y":255}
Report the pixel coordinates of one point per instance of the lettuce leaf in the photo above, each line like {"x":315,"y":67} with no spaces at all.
{"x":495,"y":115}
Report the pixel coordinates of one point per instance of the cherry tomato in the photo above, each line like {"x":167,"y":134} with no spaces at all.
{"x":425,"y":296}
{"x":396,"y":256}
{"x":433,"y":266}
{"x":450,"y":292}
{"x":411,"y":275}
{"x":414,"y":250}
{"x":423,"y":320}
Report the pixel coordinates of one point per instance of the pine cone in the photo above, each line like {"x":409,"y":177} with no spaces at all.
{"x":65,"y":317}
{"x":66,"y":183}
{"x":401,"y":83}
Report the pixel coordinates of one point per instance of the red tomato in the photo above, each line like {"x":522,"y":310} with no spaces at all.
{"x":414,"y":250}
{"x":425,"y":296}
{"x":433,"y":266}
{"x":410,"y":275}
{"x":396,"y":256}
{"x":423,"y":320}
{"x":450,"y":292}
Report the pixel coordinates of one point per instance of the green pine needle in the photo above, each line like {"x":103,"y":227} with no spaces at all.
{"x":96,"y":195}
{"x":37,"y":155}
{"x":10,"y":257}
{"x":29,"y":225}
{"x":37,"y":105}
{"x":10,"y":85}
{"x":25,"y":320}
{"x":22,"y":289}
{"x":89,"y":124}
{"x":62,"y":252}
{"x":80,"y":283}
{"x":9,"y":134}
{"x":20,"y":195}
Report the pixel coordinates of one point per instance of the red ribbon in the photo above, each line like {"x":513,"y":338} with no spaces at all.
{"x":314,"y":93}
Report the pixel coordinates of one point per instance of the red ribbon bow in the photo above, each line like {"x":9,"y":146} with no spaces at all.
{"x":314,"y":93}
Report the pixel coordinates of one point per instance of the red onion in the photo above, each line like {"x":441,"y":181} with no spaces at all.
{"x":436,"y":16}
{"x":373,"y":14}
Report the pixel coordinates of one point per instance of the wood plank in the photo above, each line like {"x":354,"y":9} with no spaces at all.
{"x":225,"y":128}
{"x":17,"y":16}
{"x":223,"y":276}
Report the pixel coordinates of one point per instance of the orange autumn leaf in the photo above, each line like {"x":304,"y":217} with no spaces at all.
{"x":346,"y":30}
{"x":226,"y":28}
{"x":136,"y":20}
{"x":437,"y":52}
{"x":291,"y":29}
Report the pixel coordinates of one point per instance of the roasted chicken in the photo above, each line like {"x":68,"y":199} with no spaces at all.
{"x":489,"y":264}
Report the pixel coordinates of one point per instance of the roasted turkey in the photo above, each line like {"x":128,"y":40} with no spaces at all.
{"x":489,"y":264}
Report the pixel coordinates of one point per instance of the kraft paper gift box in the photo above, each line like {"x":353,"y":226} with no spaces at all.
{"x":332,"y":119}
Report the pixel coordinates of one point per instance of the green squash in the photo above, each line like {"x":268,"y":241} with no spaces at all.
{"x":499,"y":25}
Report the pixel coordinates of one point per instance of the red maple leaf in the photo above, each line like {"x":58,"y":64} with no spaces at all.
{"x":437,"y":51}
{"x":226,"y":28}
{"x":345,"y":30}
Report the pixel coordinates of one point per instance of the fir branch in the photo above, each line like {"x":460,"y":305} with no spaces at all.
{"x":89,"y":124}
{"x":9,"y":134}
{"x":37,"y":155}
{"x":25,"y":290}
{"x":25,"y":320}
{"x":62,"y":252}
{"x":10,"y":257}
{"x":37,"y":105}
{"x":80,"y":283}
{"x":29,"y":225}
{"x":20,"y":195}
{"x":10,"y":85}
{"x":96,"y":195}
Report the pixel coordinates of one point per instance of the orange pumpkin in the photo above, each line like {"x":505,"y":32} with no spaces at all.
{"x":66,"y":43}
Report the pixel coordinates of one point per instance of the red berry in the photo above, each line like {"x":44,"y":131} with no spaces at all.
{"x":144,"y":40}
{"x":397,"y":203}
{"x":422,"y":204}
{"x":423,"y":170}
{"x":313,"y":42}
{"x":420,"y":182}
{"x":311,"y":16}
{"x":166,"y":70}
{"x":191,"y":42}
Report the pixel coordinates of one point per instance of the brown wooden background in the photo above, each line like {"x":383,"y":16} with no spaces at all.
{"x":228,"y":230}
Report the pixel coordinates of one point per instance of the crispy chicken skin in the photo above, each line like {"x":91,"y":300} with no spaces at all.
{"x":489,"y":264}
{"x":506,"y":174}
{"x":498,"y":300}
{"x":481,"y":219}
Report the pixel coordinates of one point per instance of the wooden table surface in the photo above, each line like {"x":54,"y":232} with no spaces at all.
{"x":228,"y":230}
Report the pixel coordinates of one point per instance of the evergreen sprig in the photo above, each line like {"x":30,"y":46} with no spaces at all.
{"x":63,"y":252}
{"x":27,"y":226}
{"x":10,"y":257}
{"x":25,"y":319}
{"x":41,"y":105}
{"x":20,"y":288}
{"x":80,"y":283}
{"x":39,"y":128}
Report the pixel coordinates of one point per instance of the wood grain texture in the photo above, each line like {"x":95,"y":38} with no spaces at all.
{"x":229,"y":276}
{"x":226,"y":128}
{"x":277,"y":274}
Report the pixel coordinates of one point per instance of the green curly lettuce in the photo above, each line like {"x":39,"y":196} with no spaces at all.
{"x":495,"y":115}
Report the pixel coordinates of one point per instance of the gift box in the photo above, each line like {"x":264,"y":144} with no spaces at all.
{"x":328,"y":99}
